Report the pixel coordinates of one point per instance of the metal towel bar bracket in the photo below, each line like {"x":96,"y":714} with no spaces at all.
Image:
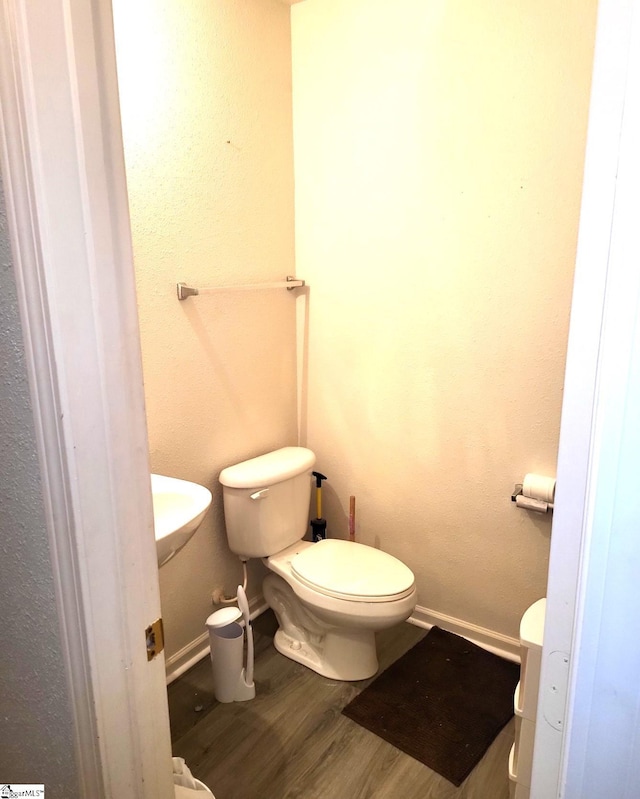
{"x":184,"y":291}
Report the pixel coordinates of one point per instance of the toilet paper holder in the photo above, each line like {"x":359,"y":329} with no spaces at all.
{"x":535,"y":493}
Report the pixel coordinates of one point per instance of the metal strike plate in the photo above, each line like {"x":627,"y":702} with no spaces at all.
{"x":555,"y":694}
{"x":154,"y":635}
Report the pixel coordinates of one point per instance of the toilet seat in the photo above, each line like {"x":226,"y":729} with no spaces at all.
{"x":347,"y":570}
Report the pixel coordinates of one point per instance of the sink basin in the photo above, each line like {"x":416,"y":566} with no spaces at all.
{"x":179,"y":507}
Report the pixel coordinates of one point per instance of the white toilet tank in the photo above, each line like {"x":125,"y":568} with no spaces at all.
{"x":266,"y":501}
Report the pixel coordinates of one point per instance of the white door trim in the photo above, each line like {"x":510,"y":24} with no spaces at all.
{"x":67,"y":211}
{"x":598,"y":393}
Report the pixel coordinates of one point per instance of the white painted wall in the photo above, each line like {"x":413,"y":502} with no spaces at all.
{"x":206,"y":108}
{"x":438,"y":162}
{"x":36,"y":734}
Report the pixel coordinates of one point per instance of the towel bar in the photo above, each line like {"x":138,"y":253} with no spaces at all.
{"x":290,"y":283}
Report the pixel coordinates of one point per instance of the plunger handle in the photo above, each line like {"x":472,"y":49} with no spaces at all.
{"x":319,"y":478}
{"x":352,"y":518}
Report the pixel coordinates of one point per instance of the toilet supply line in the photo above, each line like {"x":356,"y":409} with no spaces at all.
{"x":217,"y":595}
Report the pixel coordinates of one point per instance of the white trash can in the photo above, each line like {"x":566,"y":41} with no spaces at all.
{"x":226,"y":639}
{"x":185,"y":785}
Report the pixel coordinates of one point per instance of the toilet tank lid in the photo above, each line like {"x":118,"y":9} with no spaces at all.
{"x":269,"y":469}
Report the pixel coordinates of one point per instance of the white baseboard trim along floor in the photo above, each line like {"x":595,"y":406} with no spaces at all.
{"x":502,"y":645}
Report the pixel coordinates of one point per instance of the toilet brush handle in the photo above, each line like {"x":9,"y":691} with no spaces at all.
{"x":249,"y":669}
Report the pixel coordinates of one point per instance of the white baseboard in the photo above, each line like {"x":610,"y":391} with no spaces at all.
{"x":502,"y":645}
{"x":192,"y":653}
{"x":185,"y":658}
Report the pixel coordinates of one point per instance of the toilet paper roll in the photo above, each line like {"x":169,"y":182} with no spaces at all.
{"x":528,"y":503}
{"x":536,"y":486}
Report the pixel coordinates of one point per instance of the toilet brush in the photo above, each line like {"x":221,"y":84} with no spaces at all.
{"x":232,"y":682}
{"x":247,"y":687}
{"x":318,"y":525}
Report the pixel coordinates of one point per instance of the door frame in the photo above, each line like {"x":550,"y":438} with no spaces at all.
{"x":583,"y":749}
{"x":68,"y":218}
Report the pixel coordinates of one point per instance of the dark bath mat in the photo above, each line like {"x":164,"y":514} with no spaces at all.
{"x":443,"y":703}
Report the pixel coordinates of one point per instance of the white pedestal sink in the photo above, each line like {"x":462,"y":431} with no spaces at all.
{"x":179,"y":507}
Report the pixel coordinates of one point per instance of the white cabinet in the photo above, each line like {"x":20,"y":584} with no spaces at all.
{"x":525,"y":699}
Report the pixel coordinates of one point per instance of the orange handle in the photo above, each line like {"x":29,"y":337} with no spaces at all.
{"x":352,"y":518}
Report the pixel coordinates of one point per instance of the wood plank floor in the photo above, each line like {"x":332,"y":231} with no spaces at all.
{"x":292,"y":742}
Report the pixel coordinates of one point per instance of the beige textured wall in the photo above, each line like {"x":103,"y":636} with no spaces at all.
{"x":206,"y":107}
{"x":438,"y":163}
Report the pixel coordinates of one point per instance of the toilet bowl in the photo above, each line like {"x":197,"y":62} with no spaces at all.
{"x":329,"y":597}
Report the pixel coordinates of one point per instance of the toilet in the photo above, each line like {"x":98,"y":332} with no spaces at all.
{"x":329,"y":597}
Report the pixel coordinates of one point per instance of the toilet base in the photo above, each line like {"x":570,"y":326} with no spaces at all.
{"x":351,"y":660}
{"x":339,"y":653}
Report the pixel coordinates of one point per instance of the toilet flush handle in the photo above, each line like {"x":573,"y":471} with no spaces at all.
{"x":260,"y":494}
